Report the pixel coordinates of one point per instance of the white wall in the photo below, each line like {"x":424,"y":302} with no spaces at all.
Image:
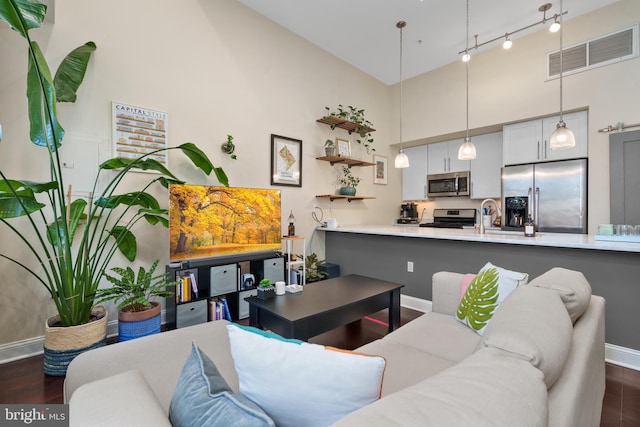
{"x":510,"y":86}
{"x":217,"y":68}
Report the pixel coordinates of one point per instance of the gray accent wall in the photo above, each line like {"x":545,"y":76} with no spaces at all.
{"x":612,"y":275}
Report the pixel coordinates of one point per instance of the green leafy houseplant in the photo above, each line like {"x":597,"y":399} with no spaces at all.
{"x":362,"y":126}
{"x":329,"y":147}
{"x":347,"y":179}
{"x":135,"y":294}
{"x":71,"y":243}
{"x":312,"y":267}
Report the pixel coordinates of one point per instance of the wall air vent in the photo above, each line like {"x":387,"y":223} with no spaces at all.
{"x":597,"y":52}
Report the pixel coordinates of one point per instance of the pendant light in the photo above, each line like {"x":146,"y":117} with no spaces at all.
{"x":562,"y":137}
{"x":402,"y":161}
{"x":467,"y":151}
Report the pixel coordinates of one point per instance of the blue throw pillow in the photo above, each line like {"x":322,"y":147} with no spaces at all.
{"x":202,"y":397}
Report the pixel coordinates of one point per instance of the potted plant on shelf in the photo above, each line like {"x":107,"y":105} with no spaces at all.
{"x":358,"y":123}
{"x":138,"y":316}
{"x":330,"y":147}
{"x":349,"y":182}
{"x":266,"y":289}
{"x":68,"y":244}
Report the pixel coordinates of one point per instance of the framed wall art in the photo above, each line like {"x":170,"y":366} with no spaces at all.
{"x":286,"y":161}
{"x":344,"y":147}
{"x":380,"y":169}
{"x":137,"y":131}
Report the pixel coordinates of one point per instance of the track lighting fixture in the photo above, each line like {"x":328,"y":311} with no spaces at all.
{"x":507,"y":41}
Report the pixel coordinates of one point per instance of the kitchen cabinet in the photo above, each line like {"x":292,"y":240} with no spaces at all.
{"x":414,"y":178}
{"x":442,"y":157}
{"x":486,"y":167}
{"x":528,"y":142}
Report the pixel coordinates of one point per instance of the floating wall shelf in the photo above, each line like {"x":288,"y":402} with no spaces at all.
{"x":338,"y":122}
{"x":346,"y":160}
{"x":333,"y":197}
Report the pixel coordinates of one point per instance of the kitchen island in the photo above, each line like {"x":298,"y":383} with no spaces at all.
{"x":382,"y":252}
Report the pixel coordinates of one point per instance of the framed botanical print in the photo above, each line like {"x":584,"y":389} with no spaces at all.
{"x":344,"y":147}
{"x":379,"y":169}
{"x":286,"y":161}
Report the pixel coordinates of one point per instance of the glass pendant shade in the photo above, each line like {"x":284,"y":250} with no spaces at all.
{"x":562,"y":137}
{"x":467,"y":151}
{"x":402,"y":161}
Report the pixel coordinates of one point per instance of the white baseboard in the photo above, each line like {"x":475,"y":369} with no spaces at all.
{"x":622,"y":356}
{"x":34,"y":346}
{"x":414,"y":303}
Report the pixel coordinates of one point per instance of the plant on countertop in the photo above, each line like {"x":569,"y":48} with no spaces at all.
{"x":229,"y":147}
{"x":135,"y":294}
{"x":355,"y":115}
{"x":70,"y":269}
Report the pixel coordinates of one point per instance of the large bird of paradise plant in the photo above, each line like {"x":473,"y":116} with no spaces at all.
{"x":73,"y":241}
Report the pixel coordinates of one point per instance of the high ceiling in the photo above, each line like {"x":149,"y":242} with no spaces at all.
{"x":364,"y":34}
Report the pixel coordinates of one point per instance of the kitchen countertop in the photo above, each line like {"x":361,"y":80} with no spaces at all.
{"x":493,"y":235}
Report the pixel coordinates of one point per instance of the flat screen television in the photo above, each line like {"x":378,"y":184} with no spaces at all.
{"x":210,"y":221}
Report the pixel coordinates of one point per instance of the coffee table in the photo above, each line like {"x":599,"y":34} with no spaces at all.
{"x":325,"y":305}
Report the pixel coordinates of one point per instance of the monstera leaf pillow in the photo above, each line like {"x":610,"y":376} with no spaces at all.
{"x":485,"y":293}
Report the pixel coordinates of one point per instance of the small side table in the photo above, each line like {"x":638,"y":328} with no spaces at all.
{"x":291,"y":265}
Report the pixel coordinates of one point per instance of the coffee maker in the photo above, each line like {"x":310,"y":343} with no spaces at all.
{"x":408,"y":213}
{"x":516,"y":212}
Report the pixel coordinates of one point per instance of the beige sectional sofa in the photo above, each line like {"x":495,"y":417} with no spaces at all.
{"x":539,"y":362}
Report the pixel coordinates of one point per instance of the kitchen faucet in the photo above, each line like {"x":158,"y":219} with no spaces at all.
{"x":482,"y":210}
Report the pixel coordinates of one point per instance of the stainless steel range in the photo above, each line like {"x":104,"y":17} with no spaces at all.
{"x":452,"y":218}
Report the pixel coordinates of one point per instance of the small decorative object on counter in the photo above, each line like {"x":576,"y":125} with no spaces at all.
{"x":529,"y":228}
{"x":291,"y":231}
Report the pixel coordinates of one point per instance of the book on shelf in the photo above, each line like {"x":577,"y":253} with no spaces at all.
{"x":219,"y":309}
{"x":187,"y":287}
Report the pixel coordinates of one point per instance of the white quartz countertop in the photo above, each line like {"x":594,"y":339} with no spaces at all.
{"x":556,"y":240}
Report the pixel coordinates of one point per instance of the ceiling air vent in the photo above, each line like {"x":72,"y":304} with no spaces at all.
{"x":608,"y":49}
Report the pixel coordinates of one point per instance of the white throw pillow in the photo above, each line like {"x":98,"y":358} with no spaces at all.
{"x":485,"y":293}
{"x":302,"y":384}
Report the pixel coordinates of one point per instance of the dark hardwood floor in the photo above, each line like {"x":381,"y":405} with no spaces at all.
{"x":24,"y":381}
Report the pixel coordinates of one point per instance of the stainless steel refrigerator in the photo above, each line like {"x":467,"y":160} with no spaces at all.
{"x":553,"y":193}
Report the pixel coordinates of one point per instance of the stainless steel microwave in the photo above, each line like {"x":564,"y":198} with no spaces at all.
{"x":448,"y":184}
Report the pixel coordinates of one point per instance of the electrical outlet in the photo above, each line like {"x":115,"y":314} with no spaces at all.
{"x":410,"y":266}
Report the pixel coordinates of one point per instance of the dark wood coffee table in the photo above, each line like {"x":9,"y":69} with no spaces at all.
{"x":325,"y":305}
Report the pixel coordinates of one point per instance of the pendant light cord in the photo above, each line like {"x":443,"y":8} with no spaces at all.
{"x":561,"y":60}
{"x":466,"y":68}
{"x":401,"y":25}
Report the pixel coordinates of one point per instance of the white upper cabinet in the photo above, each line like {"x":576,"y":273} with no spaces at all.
{"x":414,"y":178}
{"x":443,"y":157}
{"x":578,"y":123}
{"x":486,"y":167}
{"x":528,"y":142}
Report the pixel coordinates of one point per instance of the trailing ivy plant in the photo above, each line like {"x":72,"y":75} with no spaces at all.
{"x":70,"y":243}
{"x":356,"y":116}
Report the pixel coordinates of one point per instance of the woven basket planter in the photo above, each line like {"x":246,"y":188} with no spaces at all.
{"x":135,"y":324}
{"x":63,"y":343}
